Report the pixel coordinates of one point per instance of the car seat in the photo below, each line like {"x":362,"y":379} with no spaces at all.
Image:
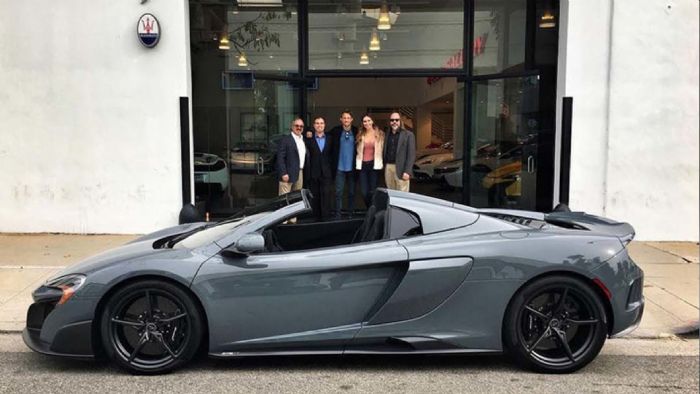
{"x":366,"y":225}
{"x":271,"y":241}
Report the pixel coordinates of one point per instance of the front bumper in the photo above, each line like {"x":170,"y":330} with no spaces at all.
{"x":32,"y":338}
{"x":57,"y":330}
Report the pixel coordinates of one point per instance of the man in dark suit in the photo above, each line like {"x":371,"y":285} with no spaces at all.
{"x":291,"y":159}
{"x":399,"y":155}
{"x":319,"y":171}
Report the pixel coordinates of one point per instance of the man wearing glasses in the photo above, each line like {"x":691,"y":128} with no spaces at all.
{"x":291,"y":159}
{"x":399,"y":155}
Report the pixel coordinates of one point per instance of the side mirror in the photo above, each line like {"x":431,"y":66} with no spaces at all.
{"x":247,"y":244}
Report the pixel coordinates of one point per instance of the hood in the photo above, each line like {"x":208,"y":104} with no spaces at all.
{"x":119,"y":254}
{"x":135,"y":249}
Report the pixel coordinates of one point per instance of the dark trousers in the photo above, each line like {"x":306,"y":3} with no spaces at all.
{"x":321,"y":203}
{"x":340,"y":178}
{"x":368,"y":181}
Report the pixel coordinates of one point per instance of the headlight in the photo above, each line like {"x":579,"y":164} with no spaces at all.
{"x":69,"y":284}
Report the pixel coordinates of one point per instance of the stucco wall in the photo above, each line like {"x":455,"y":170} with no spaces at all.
{"x":89,"y":118}
{"x":632,"y":69}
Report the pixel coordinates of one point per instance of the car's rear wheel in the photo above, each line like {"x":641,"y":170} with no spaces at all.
{"x":556,"y":324}
{"x":150,"y":327}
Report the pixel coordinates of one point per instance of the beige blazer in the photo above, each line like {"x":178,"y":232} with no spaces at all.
{"x":378,"y":151}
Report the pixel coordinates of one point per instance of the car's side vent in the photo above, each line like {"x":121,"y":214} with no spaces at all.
{"x":515,"y":219}
{"x":566,"y":224}
{"x":635,"y":295}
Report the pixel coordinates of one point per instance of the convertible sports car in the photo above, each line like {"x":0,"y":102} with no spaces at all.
{"x":415,"y":275}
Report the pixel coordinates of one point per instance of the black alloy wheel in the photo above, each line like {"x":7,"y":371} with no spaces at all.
{"x":556,"y":324}
{"x":150,"y":327}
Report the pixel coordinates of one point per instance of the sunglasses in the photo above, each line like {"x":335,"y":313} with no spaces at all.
{"x":299,"y":125}
{"x":395,"y":120}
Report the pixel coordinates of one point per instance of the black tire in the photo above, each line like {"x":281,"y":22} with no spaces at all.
{"x":544,"y":334}
{"x":150,"y":327}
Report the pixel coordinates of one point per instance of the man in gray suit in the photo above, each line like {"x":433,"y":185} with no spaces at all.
{"x":399,"y":155}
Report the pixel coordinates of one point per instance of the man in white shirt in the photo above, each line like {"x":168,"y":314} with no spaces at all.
{"x":291,"y":159}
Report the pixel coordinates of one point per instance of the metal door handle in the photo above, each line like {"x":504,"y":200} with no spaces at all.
{"x":531,"y":164}
{"x":261,"y":165}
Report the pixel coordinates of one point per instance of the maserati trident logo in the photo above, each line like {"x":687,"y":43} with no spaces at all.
{"x":148,"y":30}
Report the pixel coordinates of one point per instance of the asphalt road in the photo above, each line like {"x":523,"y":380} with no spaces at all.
{"x":624,"y":366}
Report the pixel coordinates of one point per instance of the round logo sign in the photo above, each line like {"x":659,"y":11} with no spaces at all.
{"x":148,"y":30}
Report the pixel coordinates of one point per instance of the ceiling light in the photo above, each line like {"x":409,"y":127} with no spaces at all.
{"x":374,"y":41}
{"x":547,"y":20}
{"x":224,"y":43}
{"x":364,"y":59}
{"x":260,"y":3}
{"x":242,"y":60}
{"x":384,"y":22}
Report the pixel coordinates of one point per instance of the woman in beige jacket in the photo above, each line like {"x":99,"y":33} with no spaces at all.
{"x":368,"y":160}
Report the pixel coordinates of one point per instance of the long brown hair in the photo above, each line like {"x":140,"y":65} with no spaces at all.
{"x":363,"y":131}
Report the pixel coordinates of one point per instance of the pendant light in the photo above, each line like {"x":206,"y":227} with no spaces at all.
{"x":364,"y":59}
{"x":384,"y":22}
{"x":242,"y":60}
{"x":224,"y":44}
{"x":374,"y":44}
{"x":547,"y":20}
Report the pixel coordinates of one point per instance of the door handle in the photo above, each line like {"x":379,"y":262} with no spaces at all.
{"x":261,"y":165}
{"x":531,"y":164}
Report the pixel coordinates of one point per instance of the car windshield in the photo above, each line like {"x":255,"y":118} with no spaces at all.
{"x":269,"y":206}
{"x":211,"y":233}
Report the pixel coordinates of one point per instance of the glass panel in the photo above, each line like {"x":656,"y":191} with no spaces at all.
{"x":499,"y":36}
{"x":429,"y":107}
{"x":506,"y":121}
{"x":247,"y":36}
{"x":242,"y":130}
{"x":354,"y":35}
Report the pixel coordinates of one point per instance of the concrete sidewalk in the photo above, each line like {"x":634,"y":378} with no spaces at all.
{"x":671,"y":282}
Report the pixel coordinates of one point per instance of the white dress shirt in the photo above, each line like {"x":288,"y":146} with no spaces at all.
{"x":301,"y":148}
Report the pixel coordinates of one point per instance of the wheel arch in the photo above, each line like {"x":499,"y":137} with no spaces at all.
{"x":572,"y":274}
{"x":96,"y":334}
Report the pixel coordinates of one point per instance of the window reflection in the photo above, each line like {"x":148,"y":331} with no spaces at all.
{"x":499,"y":36}
{"x":390,"y":34}
{"x":250,"y":37}
{"x":506,"y":121}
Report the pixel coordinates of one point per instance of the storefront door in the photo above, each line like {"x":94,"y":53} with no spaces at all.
{"x":257,"y":119}
{"x":506,"y":134}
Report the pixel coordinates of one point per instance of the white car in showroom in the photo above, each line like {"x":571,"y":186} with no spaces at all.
{"x":424,"y":167}
{"x":210,"y":173}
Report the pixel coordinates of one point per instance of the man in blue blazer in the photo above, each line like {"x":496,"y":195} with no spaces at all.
{"x":292,"y":157}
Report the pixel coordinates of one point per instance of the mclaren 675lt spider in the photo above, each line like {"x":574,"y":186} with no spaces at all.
{"x":415,"y":275}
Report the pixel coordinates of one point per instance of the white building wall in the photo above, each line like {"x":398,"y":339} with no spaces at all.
{"x":632,"y":69}
{"x":89,"y":118}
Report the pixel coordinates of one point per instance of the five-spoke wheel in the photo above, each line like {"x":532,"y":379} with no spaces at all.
{"x":150,"y":327}
{"x":555,"y":324}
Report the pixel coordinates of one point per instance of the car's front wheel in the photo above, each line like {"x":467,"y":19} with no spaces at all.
{"x":556,"y":324}
{"x":150,"y":327}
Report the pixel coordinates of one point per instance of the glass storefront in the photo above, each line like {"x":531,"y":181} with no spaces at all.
{"x":473,"y":80}
{"x":355,"y":35}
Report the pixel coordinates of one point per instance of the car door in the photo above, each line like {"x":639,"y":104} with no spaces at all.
{"x":296,"y":301}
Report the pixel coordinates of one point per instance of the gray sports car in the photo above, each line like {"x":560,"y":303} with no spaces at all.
{"x":415,"y":275}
